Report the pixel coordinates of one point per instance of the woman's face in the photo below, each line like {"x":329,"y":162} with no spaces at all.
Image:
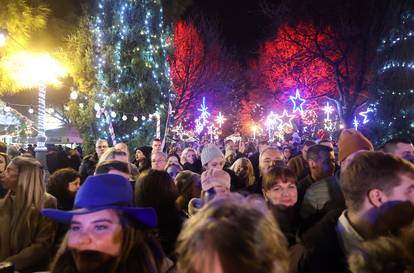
{"x":216,"y":163}
{"x":74,"y":185}
{"x":287,"y":153}
{"x":139,"y":155}
{"x":3,"y":163}
{"x":173,"y":160}
{"x":10,"y":177}
{"x":283,"y":193}
{"x":190,"y":158}
{"x":242,"y":169}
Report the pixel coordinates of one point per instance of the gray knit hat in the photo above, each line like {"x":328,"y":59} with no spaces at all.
{"x":210,"y":152}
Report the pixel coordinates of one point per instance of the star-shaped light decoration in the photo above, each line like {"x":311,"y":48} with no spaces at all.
{"x":297,"y":102}
{"x":220,"y":119}
{"x":285,"y":121}
{"x":328,"y":110}
{"x":365,"y":115}
{"x":272,"y":121}
{"x":203,"y":109}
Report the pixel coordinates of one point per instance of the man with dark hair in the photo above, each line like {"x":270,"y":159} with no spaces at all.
{"x":254,"y":158}
{"x":372,"y":183}
{"x":320,"y":186}
{"x":400,"y":147}
{"x":156,"y":145}
{"x":321,"y":162}
{"x":298,"y":163}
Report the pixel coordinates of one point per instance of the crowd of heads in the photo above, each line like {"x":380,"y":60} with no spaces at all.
{"x":317,"y":206}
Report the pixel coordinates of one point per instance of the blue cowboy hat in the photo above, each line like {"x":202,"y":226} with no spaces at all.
{"x":105,"y":191}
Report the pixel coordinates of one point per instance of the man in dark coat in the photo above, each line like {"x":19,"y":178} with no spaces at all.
{"x":372,"y":184}
{"x":88,"y":165}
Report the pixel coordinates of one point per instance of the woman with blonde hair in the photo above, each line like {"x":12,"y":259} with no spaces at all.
{"x":26,"y":237}
{"x":232,"y":234}
{"x":244,"y":171}
{"x":189,"y":160}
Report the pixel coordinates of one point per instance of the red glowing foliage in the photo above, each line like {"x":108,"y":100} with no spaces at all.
{"x":186,"y":64}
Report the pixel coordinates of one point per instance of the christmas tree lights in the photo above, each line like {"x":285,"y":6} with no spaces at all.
{"x":131,"y":68}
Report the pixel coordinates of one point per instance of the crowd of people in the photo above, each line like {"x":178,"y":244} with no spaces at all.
{"x":306,"y":206}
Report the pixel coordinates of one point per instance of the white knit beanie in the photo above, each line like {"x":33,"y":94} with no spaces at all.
{"x":210,"y":152}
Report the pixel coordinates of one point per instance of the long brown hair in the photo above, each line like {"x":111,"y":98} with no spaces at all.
{"x":30,"y":194}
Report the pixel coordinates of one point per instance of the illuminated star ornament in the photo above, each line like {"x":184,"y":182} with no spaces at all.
{"x":328,"y":110}
{"x":202,"y":121}
{"x":365,"y":115}
{"x":285,"y":121}
{"x":203,"y":109}
{"x":356,"y":123}
{"x":297,"y":102}
{"x":220,"y":119}
{"x":272,"y":121}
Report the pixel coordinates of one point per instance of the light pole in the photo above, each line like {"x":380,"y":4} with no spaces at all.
{"x":3,"y":36}
{"x":28,"y":71}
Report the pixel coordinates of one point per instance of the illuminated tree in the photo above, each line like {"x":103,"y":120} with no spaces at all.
{"x":201,"y":66}
{"x":393,"y":97}
{"x":123,"y":80}
{"x":339,"y":36}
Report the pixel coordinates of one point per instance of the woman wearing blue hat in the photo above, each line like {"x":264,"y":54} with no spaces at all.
{"x":108,"y":234}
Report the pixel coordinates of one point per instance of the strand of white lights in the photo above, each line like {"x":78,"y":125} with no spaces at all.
{"x":397,"y":64}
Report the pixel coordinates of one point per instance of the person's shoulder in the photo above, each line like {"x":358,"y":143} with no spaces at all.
{"x":50,"y":201}
{"x":90,"y":157}
{"x":325,"y":229}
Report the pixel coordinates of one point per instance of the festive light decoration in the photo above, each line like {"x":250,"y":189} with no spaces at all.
{"x":133,"y":28}
{"x":202,"y":120}
{"x":285,"y":121}
{"x":356,"y":123}
{"x":399,"y":35}
{"x":328,"y":110}
{"x":272,"y":121}
{"x":254,"y":130}
{"x":31,"y":110}
{"x":220,"y":119}
{"x":365,"y":115}
{"x":73,"y":95}
{"x":297,"y":102}
{"x":309,"y":117}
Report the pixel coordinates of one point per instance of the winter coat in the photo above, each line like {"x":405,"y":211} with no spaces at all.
{"x":323,"y":252}
{"x":34,"y":246}
{"x":88,"y":166}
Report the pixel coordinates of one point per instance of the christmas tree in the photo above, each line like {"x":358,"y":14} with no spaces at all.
{"x":392,"y":101}
{"x":131,"y":85}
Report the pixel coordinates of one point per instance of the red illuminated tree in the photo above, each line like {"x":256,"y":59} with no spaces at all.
{"x":340,"y":38}
{"x":200,"y":66}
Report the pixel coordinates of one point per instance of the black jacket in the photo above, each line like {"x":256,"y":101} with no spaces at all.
{"x":88,"y":166}
{"x":323,"y":251}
